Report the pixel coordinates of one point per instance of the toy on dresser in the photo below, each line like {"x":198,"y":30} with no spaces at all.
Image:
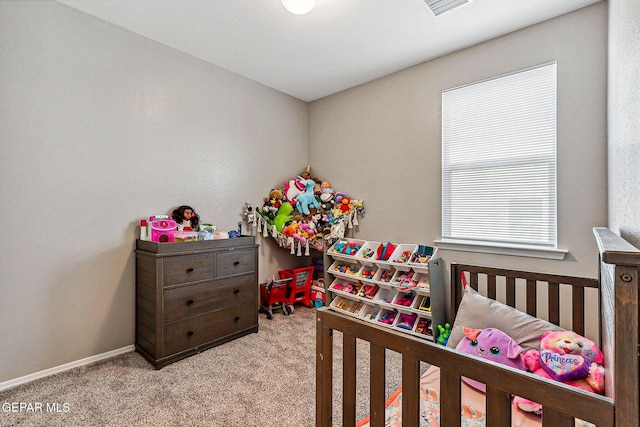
{"x":161,"y":228}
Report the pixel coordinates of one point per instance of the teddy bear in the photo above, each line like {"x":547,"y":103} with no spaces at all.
{"x":567,"y":357}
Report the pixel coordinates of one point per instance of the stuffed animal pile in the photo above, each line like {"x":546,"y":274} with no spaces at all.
{"x":569,"y":358}
{"x":307,"y":211}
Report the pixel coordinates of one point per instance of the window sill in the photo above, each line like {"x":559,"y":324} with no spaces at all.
{"x":502,"y":249}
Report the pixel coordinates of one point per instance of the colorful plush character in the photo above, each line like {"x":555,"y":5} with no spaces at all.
{"x":567,"y":357}
{"x":306,"y":199}
{"x":494,"y":345}
{"x":293,"y":188}
{"x":283,"y":215}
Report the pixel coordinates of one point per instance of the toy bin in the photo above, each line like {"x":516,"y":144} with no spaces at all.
{"x":368,"y":253}
{"x":419,"y":260}
{"x":383,"y":277}
{"x":345,"y":269}
{"x":369,"y":312}
{"x":406,"y":321}
{"x":423,"y":328}
{"x":387,"y":317}
{"x":274,"y":293}
{"x":299,"y":290}
{"x":367,"y":273}
{"x":401,"y":256}
{"x":347,"y":306}
{"x":424,"y":285}
{"x":422,"y":303}
{"x":384,"y":297}
{"x":345,"y":248}
{"x":403,"y":301}
{"x":404,"y":280}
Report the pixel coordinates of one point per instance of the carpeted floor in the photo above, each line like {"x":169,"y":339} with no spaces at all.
{"x":261,"y":379}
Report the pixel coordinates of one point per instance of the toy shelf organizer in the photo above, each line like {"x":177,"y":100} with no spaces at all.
{"x":388,"y":284}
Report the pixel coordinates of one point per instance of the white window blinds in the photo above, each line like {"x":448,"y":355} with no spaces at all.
{"x":499,"y":160}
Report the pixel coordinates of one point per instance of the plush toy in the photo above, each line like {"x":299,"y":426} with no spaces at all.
{"x":283,"y":215}
{"x":494,"y":345}
{"x":569,"y":358}
{"x":326,"y":192}
{"x":293,"y":188}
{"x":306,"y":199}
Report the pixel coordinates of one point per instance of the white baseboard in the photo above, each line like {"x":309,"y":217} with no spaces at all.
{"x":47,"y":372}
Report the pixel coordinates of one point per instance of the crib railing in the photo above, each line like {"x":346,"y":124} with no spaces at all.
{"x":534,"y":293}
{"x":561,"y":403}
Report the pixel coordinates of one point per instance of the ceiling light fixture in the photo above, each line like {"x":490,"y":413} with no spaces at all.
{"x":299,"y":7}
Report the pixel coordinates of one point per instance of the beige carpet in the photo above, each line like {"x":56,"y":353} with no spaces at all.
{"x":261,"y":379}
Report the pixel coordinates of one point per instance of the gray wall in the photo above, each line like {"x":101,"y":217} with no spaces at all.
{"x":624,"y":119}
{"x":100,"y":128}
{"x":381,"y":140}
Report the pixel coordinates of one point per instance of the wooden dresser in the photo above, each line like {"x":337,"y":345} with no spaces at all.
{"x":192,"y":296}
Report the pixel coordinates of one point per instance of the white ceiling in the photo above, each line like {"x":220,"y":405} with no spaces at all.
{"x":338,"y":45}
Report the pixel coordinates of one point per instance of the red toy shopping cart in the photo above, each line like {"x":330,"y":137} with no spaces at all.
{"x":274,"y":294}
{"x":299,"y":289}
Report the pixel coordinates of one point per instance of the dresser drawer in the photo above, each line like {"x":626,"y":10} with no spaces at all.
{"x":199,"y":330}
{"x":236,"y":262}
{"x":193,"y":300}
{"x":185,"y":269}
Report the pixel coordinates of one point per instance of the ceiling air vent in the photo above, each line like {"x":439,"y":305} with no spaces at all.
{"x":438,"y":7}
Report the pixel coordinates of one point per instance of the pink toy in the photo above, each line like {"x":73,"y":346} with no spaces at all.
{"x":494,"y":345}
{"x":405,"y":300}
{"x":162,"y":228}
{"x":406,"y":321}
{"x":569,"y":358}
{"x":388,"y":317}
{"x":406,"y":281}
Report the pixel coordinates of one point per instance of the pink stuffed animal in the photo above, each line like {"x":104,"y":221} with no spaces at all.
{"x":569,"y":358}
{"x":492,"y":344}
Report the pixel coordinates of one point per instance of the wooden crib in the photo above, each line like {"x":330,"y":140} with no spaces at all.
{"x":617,"y":292}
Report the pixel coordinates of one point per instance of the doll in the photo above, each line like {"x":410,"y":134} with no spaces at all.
{"x":186,"y":218}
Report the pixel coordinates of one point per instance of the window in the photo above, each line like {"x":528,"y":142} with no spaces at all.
{"x":499,"y":163}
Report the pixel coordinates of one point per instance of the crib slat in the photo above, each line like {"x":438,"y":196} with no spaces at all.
{"x":511,"y":291}
{"x":532,"y":298}
{"x":349,"y":380}
{"x":554,"y":303}
{"x":498,"y":408}
{"x":449,"y":399}
{"x":377,"y":381}
{"x":473,"y":280}
{"x":410,"y":391}
{"x":491,"y":286}
{"x":551,"y":418}
{"x":578,"y":310}
{"x":324,"y":373}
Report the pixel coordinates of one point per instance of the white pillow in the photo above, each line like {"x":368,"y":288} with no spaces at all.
{"x":479,"y":312}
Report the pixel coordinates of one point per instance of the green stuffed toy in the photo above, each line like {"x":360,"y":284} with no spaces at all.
{"x":283,"y":215}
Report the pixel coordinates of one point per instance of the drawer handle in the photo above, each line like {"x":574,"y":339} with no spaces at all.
{"x":189,"y":302}
{"x":190,"y":270}
{"x":190,"y":333}
{"x":236,"y":291}
{"x":236,"y":319}
{"x":236,"y":263}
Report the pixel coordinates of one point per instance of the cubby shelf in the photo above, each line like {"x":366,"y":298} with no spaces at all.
{"x":403,"y":291}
